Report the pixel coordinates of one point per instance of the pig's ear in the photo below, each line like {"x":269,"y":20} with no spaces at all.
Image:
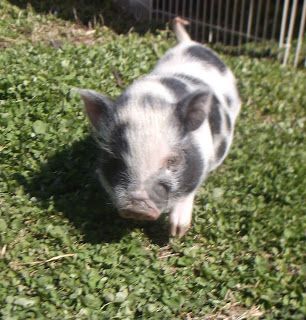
{"x":193,"y":109}
{"x":97,"y":106}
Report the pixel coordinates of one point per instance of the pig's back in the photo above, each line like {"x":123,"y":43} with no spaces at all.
{"x":197,"y":66}
{"x":190,"y":66}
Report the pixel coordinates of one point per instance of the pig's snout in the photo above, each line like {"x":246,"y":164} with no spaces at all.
{"x":140,"y":207}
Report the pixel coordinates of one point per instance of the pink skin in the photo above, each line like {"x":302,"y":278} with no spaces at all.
{"x":180,"y":216}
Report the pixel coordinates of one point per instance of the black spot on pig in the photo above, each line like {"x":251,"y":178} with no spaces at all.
{"x":111,"y":162}
{"x":159,"y":193}
{"x":149,"y":100}
{"x":123,"y":100}
{"x":177,"y":86}
{"x":114,"y":169}
{"x":152,"y":101}
{"x":214,"y":117}
{"x":221,"y":149}
{"x":228,"y":121}
{"x":118,"y":142}
{"x":167,"y":57}
{"x":190,"y":79}
{"x":228,"y":100}
{"x":192,"y":170}
{"x":206,"y":55}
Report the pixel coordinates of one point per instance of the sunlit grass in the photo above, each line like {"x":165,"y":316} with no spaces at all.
{"x":64,"y":253}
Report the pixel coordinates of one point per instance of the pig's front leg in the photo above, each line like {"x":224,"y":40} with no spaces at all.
{"x":180,"y":216}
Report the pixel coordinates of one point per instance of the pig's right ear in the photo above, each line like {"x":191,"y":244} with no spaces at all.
{"x":193,"y":109}
{"x":97,"y":106}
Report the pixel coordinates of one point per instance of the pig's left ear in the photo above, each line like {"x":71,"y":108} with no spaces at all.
{"x":192,"y":110}
{"x":97,"y":106}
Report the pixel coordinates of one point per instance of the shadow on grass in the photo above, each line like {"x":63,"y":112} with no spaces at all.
{"x":105,"y":12}
{"x":67,"y":181}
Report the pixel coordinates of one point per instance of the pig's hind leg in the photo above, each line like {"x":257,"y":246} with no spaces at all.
{"x":180,"y":216}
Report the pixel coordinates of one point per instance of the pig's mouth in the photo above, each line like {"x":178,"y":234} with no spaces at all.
{"x":140,"y":211}
{"x":139,"y":215}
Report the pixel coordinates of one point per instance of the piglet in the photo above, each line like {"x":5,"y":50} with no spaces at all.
{"x":165,"y":133}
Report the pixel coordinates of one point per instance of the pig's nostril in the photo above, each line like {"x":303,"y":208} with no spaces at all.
{"x":138,"y":203}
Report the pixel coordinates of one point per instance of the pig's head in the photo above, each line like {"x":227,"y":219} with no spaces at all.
{"x":148,"y":158}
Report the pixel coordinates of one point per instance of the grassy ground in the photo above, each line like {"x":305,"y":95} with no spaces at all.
{"x":65,"y":254}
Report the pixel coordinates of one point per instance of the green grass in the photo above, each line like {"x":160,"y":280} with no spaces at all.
{"x":245,"y":253}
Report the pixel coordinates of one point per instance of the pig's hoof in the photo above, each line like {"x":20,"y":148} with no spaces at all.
{"x":178,"y":230}
{"x":180,"y":216}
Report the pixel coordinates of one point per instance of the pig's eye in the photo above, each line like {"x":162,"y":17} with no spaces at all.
{"x":173,"y":161}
